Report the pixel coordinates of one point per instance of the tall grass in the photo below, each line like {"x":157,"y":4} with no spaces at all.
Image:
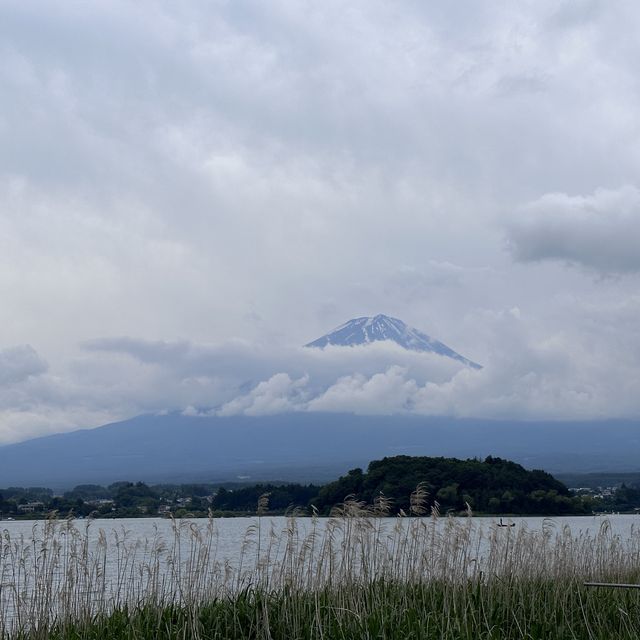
{"x":348,"y":576}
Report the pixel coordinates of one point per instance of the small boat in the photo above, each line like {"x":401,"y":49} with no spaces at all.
{"x":506,"y":524}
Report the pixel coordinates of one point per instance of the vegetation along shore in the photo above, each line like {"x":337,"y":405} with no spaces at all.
{"x":347,"y":576}
{"x":489,"y":486}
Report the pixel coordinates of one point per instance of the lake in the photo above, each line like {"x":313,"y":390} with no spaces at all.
{"x":231,"y":530}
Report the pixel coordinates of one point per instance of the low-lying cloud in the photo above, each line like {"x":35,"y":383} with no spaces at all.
{"x":586,"y":370}
{"x":279,"y":394}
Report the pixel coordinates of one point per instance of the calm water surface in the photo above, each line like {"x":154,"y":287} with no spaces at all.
{"x":231,"y":532}
{"x":621,"y":522}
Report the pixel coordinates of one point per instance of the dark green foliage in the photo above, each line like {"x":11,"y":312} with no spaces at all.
{"x":493,"y":485}
{"x":138,"y":494}
{"x":542,"y":610}
{"x":281,"y":497}
{"x":88,"y":492}
{"x":627,"y":498}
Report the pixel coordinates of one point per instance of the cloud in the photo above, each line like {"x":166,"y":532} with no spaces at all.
{"x":20,"y":363}
{"x":243,"y":360}
{"x":222,"y":182}
{"x":541,"y":381}
{"x":116,"y":378}
{"x":214,"y":375}
{"x":598,"y":231}
{"x":587,"y":371}
{"x":279,"y":394}
{"x":198,"y":165}
{"x":387,"y":392}
{"x":528,"y":376}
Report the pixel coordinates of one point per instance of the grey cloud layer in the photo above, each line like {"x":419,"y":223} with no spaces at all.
{"x":600,"y":231}
{"x":250,"y":175}
{"x":20,"y":363}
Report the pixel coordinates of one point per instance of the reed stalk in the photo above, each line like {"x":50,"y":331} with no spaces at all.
{"x":357,"y":574}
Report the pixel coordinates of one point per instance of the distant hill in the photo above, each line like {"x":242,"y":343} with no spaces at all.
{"x":598,"y":480}
{"x":380,"y":328}
{"x":492,"y":485}
{"x":304,"y":447}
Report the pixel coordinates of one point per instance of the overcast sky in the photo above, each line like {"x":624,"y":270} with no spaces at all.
{"x":190,"y":191}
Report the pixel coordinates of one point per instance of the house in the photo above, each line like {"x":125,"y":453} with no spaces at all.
{"x":31,"y":507}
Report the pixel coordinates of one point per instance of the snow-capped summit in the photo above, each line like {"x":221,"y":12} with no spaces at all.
{"x":378,"y":328}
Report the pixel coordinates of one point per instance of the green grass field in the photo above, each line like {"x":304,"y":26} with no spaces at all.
{"x":513,"y":608}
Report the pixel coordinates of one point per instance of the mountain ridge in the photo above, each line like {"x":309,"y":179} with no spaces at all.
{"x":303,"y":446}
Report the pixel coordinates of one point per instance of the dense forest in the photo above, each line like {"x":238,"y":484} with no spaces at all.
{"x":489,"y":486}
{"x":493,"y":485}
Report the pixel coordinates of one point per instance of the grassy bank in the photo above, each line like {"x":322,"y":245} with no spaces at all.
{"x":349,"y":576}
{"x":514,"y":608}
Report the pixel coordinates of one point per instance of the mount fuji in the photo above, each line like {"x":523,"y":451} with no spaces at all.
{"x":365,"y":330}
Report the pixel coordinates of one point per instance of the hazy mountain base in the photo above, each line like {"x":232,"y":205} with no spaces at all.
{"x":599,"y":480}
{"x":304,"y":447}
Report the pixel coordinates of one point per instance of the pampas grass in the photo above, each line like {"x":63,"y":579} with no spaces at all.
{"x":356,"y":574}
